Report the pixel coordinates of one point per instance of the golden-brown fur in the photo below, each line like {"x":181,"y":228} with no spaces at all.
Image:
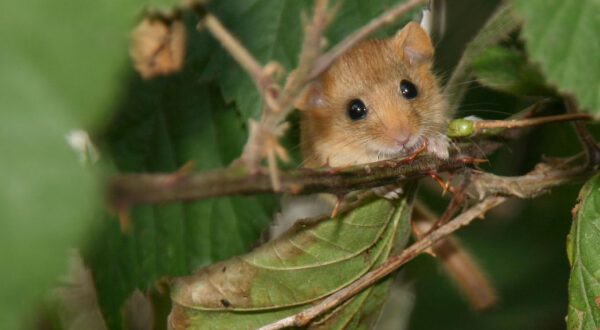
{"x":372,"y":72}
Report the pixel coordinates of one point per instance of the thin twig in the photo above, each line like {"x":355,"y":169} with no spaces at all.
{"x":470,"y":128}
{"x":388,"y":17}
{"x":235,"y":48}
{"x":263,"y":137}
{"x":392,"y":264}
{"x":590,"y":146}
{"x":482,"y":125}
{"x":311,"y":51}
{"x":543,"y":177}
{"x":457,"y":261}
{"x":458,"y":200}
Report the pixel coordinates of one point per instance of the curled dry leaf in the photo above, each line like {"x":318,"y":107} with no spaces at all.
{"x":300,"y":267}
{"x":158,"y":47}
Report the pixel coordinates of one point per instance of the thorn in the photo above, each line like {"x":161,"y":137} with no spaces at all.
{"x":338,"y":204}
{"x":273,"y":69}
{"x":181,"y":173}
{"x":535,"y":108}
{"x":281,"y":153}
{"x":253,"y":149}
{"x":430,"y":252}
{"x":590,"y":146}
{"x":124,"y":218}
{"x":412,"y":156}
{"x":271,"y":93}
{"x":443,"y":184}
{"x":474,"y":161}
{"x":187,"y":168}
{"x":161,"y":285}
{"x":273,"y":171}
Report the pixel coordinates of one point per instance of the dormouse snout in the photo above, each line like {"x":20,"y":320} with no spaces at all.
{"x":402,"y":139}
{"x":397,"y":136}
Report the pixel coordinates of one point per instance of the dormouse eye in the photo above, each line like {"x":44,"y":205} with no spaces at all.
{"x":408,"y":89}
{"x":357,"y":110}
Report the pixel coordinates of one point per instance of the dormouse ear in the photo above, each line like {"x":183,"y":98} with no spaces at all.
{"x":312,"y":97}
{"x":413,"y":45}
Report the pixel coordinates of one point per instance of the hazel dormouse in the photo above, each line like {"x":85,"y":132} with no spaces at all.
{"x":378,"y":101}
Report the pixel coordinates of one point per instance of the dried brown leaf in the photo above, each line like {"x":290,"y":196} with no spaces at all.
{"x":158,"y":47}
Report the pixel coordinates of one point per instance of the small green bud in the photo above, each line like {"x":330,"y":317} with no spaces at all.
{"x":461,"y":128}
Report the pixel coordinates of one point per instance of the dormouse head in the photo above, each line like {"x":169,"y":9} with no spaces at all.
{"x":379,"y":100}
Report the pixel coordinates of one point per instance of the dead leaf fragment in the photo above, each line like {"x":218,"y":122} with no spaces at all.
{"x":137,"y":312}
{"x":158,"y":47}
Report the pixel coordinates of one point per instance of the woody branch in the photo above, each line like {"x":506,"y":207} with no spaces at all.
{"x":130,"y":189}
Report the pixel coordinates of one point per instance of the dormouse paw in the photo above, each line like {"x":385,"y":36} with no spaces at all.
{"x":438,"y":145}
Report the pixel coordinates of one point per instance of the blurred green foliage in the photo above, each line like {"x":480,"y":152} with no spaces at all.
{"x":507,"y":70}
{"x":60,"y":70}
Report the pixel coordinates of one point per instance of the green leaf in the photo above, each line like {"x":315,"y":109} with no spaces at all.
{"x":48,"y":89}
{"x":300,"y":267}
{"x":584,"y":241}
{"x":272,"y":31}
{"x":161,"y":126}
{"x":507,"y":69}
{"x":562,"y":37}
{"x":498,"y":26}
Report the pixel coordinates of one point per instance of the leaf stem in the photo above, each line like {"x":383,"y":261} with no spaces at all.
{"x":235,"y":48}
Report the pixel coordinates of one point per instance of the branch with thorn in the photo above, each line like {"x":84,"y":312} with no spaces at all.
{"x":131,"y":189}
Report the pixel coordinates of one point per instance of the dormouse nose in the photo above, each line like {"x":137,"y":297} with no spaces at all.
{"x":399,"y":135}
